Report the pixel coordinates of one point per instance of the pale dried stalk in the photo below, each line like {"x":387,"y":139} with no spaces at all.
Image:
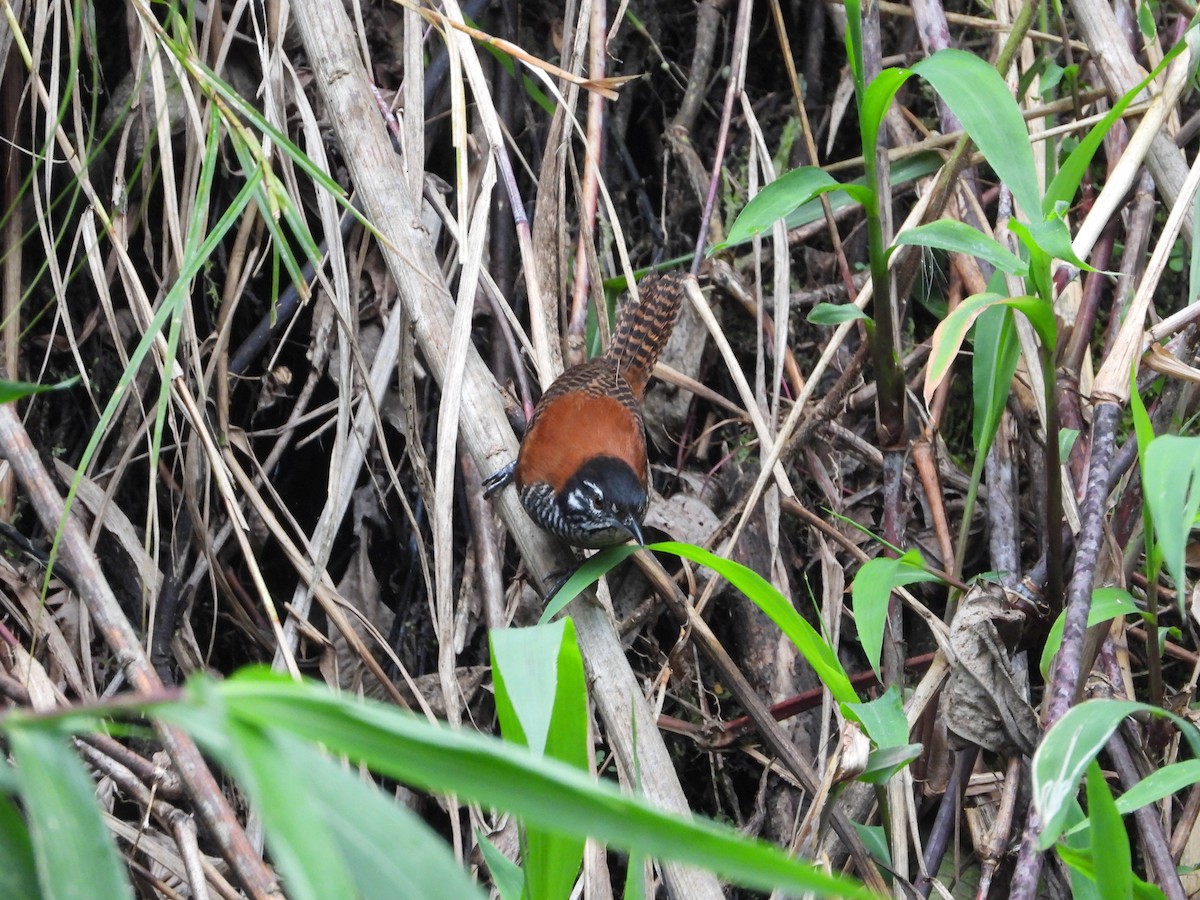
{"x":484,"y":430}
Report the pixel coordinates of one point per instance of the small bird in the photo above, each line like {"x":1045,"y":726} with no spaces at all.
{"x":582,"y":472}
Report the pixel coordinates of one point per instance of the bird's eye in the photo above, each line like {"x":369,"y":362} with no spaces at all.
{"x":597,"y":502}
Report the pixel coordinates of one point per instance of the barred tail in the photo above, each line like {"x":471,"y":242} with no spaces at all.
{"x":643,"y":329}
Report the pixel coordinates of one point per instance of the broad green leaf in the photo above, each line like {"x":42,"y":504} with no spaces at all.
{"x":1107,"y":604}
{"x":17,"y":390}
{"x":539,"y":676}
{"x":1075,"y":850}
{"x":1144,"y":431}
{"x":1142,"y":427}
{"x":854,"y":44}
{"x":506,"y":874}
{"x":74,"y":853}
{"x":782,"y":196}
{"x":1171,"y":484}
{"x":882,"y":719}
{"x":1066,"y":440}
{"x":952,"y":330}
{"x":1073,"y":742}
{"x":592,"y":570}
{"x":874,"y":838}
{"x":835,"y":313}
{"x":1051,"y":237}
{"x":541,"y":702}
{"x":885,"y":762}
{"x":635,"y":876}
{"x":993,"y":365}
{"x":270,"y":768}
{"x":872,"y":591}
{"x":875,"y":101}
{"x":18,"y":868}
{"x":957,"y":237}
{"x":1065,"y":184}
{"x":1110,"y":843}
{"x":1145,"y":19}
{"x":392,"y":854}
{"x":1082,"y":865}
{"x":1157,"y":786}
{"x":1051,"y":78}
{"x":949,"y":335}
{"x":990,"y":116}
{"x":475,"y":768}
{"x":779,"y":610}
{"x":902,"y":172}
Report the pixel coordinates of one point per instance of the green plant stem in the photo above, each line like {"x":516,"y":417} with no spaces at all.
{"x":1054,"y":513}
{"x":889,"y":376}
{"x":1153,"y":653}
{"x":964,"y":530}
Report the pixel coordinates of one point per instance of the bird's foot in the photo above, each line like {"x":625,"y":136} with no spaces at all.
{"x":499,"y":479}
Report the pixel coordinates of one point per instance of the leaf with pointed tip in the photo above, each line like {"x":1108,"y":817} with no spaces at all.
{"x":958,"y":237}
{"x":977,"y":94}
{"x":781,"y":196}
{"x":74,"y":853}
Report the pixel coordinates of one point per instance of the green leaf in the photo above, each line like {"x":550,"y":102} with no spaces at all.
{"x":1110,"y":843}
{"x":592,"y":570}
{"x":979,"y":97}
{"x":18,"y":868}
{"x":958,"y":237}
{"x":872,"y":591}
{"x":875,"y":102}
{"x":903,"y":172}
{"x":1171,"y":484}
{"x":1041,"y":316}
{"x":1066,"y":440}
{"x":951,"y":331}
{"x":475,"y":768}
{"x":506,"y":874}
{"x":854,"y":45}
{"x":1065,"y":185}
{"x":874,"y":838}
{"x":885,"y":762}
{"x":270,"y":766}
{"x":1082,"y":865}
{"x":781,"y":197}
{"x":391,"y":853}
{"x":1073,"y":742}
{"x":779,"y":610}
{"x":541,"y":702}
{"x":882,"y":719}
{"x":74,"y":853}
{"x":1157,"y":786}
{"x":835,"y":313}
{"x":17,"y":390}
{"x":1107,"y":604}
{"x":539,"y":677}
{"x":635,"y":876}
{"x":949,"y":335}
{"x":1145,"y":19}
{"x":993,"y":365}
{"x":1051,"y":237}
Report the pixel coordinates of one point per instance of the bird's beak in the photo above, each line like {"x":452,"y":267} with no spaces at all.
{"x":630,"y":524}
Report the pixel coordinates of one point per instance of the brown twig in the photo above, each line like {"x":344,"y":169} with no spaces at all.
{"x":77,"y":556}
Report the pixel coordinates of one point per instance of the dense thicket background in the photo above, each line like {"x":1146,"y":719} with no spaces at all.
{"x":265,"y":458}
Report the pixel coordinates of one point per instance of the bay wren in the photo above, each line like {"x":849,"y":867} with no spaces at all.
{"x":582,"y":472}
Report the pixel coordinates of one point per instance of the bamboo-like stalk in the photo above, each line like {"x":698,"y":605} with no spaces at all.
{"x":483,"y":427}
